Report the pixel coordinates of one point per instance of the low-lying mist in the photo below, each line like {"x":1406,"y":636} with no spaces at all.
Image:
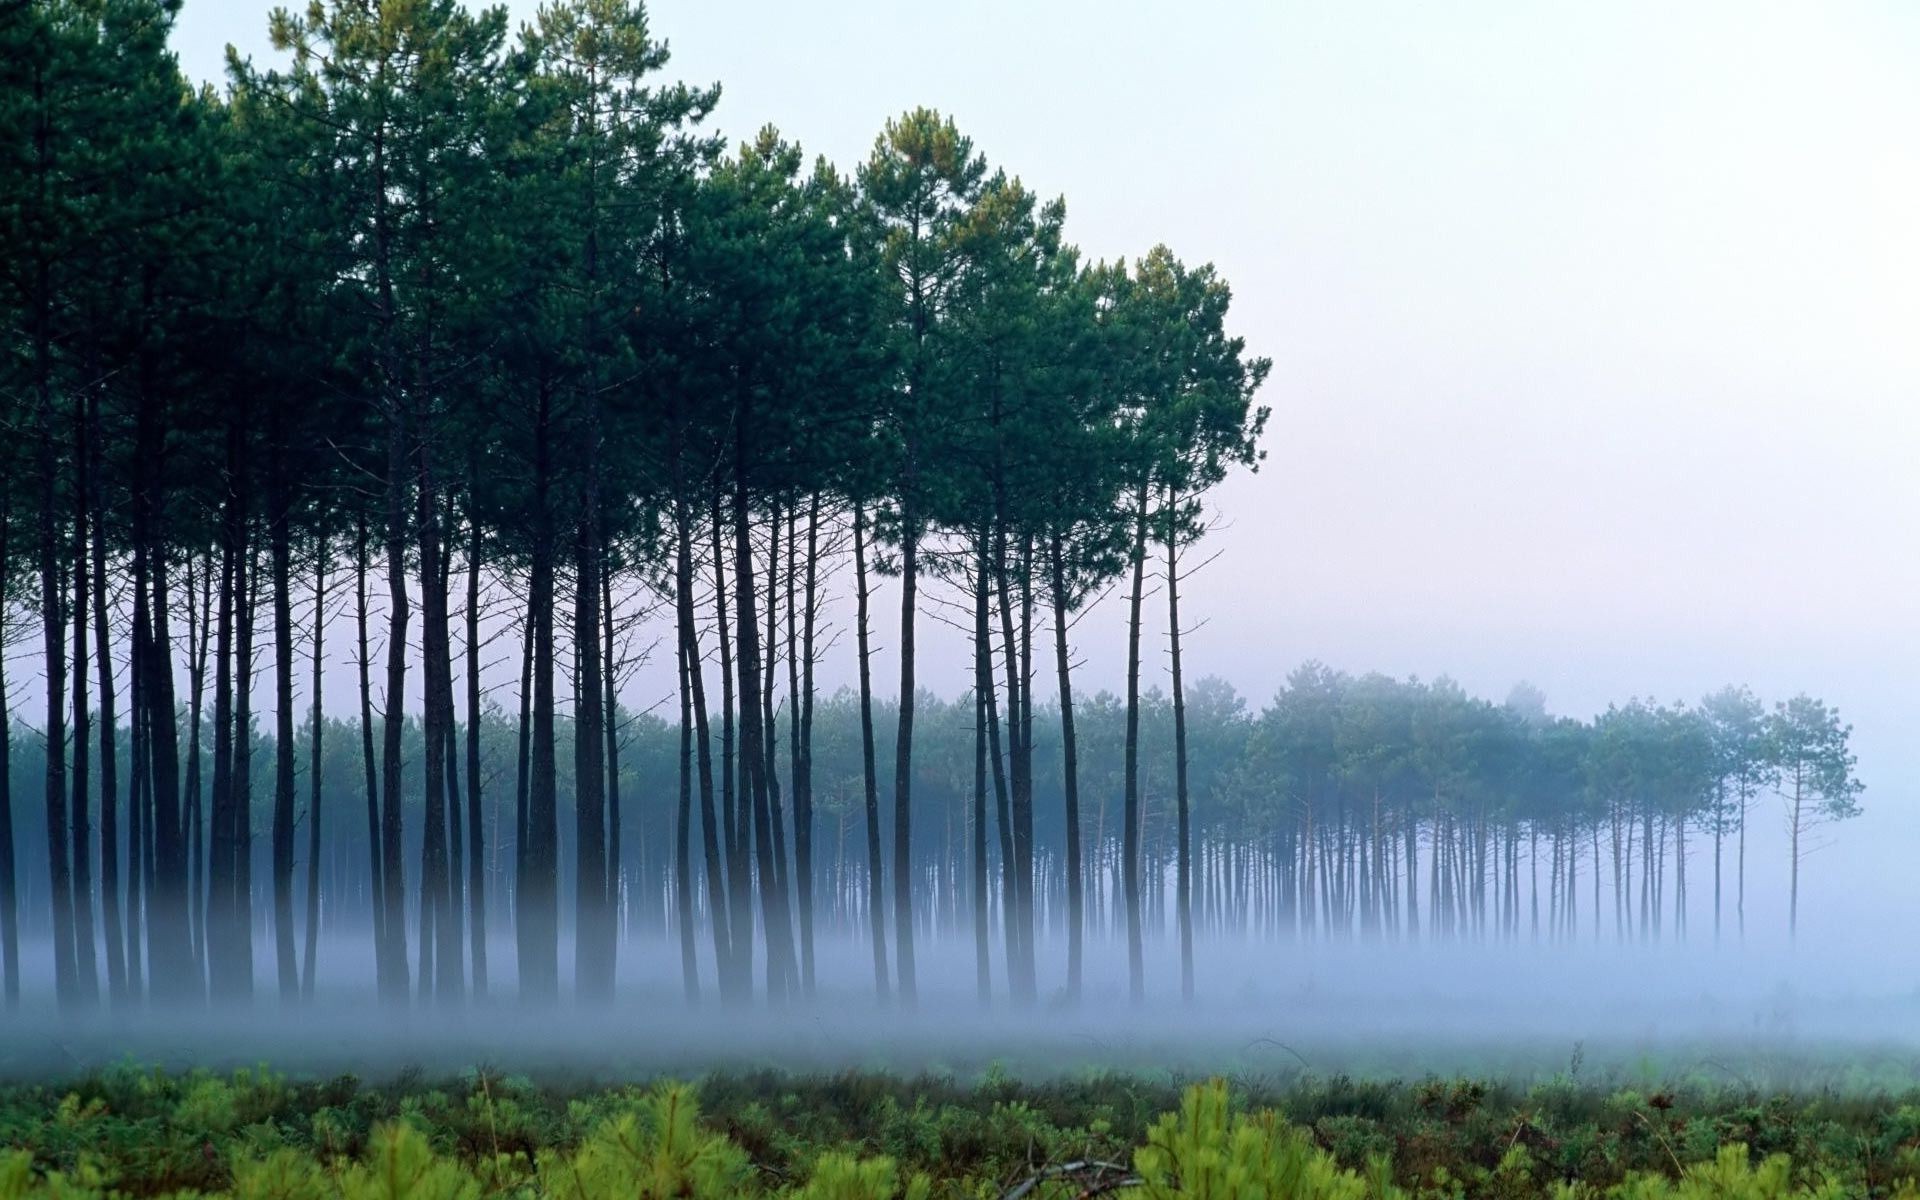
{"x":1763,"y":1014}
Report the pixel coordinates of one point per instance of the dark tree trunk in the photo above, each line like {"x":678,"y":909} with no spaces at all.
{"x":903,"y":756}
{"x":754,"y":756}
{"x":1018,"y":864}
{"x":440,"y":949}
{"x":610,"y":674}
{"x":219,"y":866}
{"x":770,"y":737}
{"x":283,"y":776}
{"x":139,"y":764}
{"x":476,"y":838}
{"x":695,"y":685}
{"x":1130,"y":835}
{"x":522,"y":776}
{"x":538,"y":891}
{"x":53,"y":647}
{"x":109,"y":721}
{"x":800,"y":692}
{"x":9,"y":883}
{"x":876,"y":874}
{"x":314,"y":773}
{"x":682,"y":843}
{"x":84,"y":956}
{"x":735,"y":806}
{"x":376,"y":869}
{"x":1183,"y":873}
{"x":393,"y":888}
{"x":983,"y":723}
{"x":239,"y":916}
{"x":1070,"y":768}
{"x":593,"y":930}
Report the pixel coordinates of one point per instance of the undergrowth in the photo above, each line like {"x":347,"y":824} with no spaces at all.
{"x":859,"y":1136}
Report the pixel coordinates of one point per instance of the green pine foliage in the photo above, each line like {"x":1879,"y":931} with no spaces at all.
{"x":254,"y":1134}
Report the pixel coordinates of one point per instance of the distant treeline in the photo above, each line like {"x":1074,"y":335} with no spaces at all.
{"x":439,"y":347}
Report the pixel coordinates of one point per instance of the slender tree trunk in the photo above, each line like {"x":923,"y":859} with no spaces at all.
{"x":9,"y":882}
{"x":538,"y":888}
{"x":281,"y":549}
{"x":1018,"y":864}
{"x":240,"y":812}
{"x":376,"y":869}
{"x":85,"y":959}
{"x":54,"y":651}
{"x":1796,"y":821}
{"x":1719,"y":840}
{"x":693,"y":679}
{"x":985,"y":748}
{"x":682,"y":843}
{"x":442,"y":969}
{"x":109,"y":722}
{"x":593,"y":930}
{"x":219,"y":867}
{"x":314,"y":772}
{"x":1740,"y":869}
{"x":393,"y":889}
{"x":1183,"y":876}
{"x":903,"y":757}
{"x":476,"y":848}
{"x":167,"y":916}
{"x":1130,"y":837}
{"x":140,"y":761}
{"x":736,"y":805}
{"x":770,"y":775}
{"x":876,"y":874}
{"x":803,"y":755}
{"x":610,"y":676}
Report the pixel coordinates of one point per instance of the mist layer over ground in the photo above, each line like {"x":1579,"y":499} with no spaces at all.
{"x":1766,"y":1015}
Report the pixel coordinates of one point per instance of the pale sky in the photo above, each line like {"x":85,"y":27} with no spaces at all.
{"x":1593,"y":325}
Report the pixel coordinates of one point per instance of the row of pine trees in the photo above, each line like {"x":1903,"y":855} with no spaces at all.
{"x":443,"y":353}
{"x":449,"y":328}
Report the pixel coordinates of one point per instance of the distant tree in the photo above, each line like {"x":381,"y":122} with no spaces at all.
{"x":1736,"y":722}
{"x":1811,"y":769}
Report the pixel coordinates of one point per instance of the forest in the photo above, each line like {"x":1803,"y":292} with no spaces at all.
{"x":462,"y":364}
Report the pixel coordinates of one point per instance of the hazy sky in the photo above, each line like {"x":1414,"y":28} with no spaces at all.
{"x":1592,"y":325}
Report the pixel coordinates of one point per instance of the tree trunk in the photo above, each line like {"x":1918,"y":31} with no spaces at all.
{"x":314,"y":772}
{"x":85,"y":958}
{"x":109,"y":723}
{"x":376,"y":870}
{"x":593,"y":930}
{"x":476,"y":837}
{"x":803,"y":749}
{"x":283,"y":751}
{"x":1070,"y":772}
{"x":1130,"y":835}
{"x":682,"y":843}
{"x":610,"y":676}
{"x":876,"y":875}
{"x":903,"y":759}
{"x":537,"y":894}
{"x":693,"y":679}
{"x":393,"y":720}
{"x":54,"y":651}
{"x":1183,"y":874}
{"x":9,"y":883}
{"x":985,"y":747}
{"x":735,"y":803}
{"x":240,"y":811}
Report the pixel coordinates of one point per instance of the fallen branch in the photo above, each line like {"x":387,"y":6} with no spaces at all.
{"x":1104,"y":1177}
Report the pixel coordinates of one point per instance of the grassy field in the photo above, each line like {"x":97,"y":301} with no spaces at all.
{"x":858,"y":1135}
